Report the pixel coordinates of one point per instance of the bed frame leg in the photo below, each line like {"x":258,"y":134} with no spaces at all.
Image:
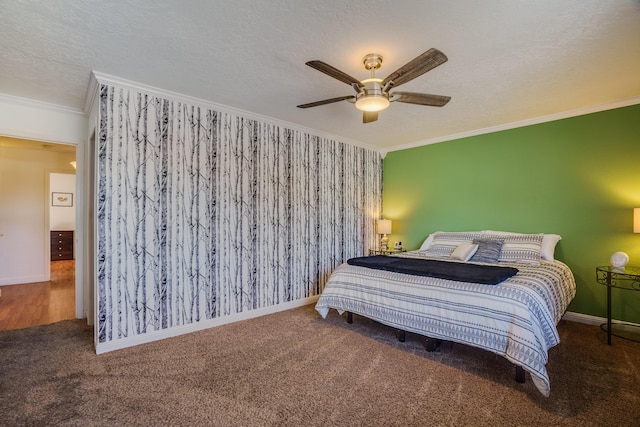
{"x":432,"y":344}
{"x":401,"y":335}
{"x":520,"y":377}
{"x":349,"y":317}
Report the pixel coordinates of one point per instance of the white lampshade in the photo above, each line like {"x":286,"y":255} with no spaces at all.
{"x":636,"y":220}
{"x":384,"y":226}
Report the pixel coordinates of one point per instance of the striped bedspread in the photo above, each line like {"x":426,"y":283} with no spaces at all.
{"x":516,"y":319}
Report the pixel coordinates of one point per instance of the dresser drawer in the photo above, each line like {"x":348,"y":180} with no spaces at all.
{"x":61,"y":255}
{"x":59,"y":241}
{"x":62,"y":234}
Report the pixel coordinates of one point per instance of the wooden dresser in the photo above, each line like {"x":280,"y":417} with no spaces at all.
{"x":61,"y":245}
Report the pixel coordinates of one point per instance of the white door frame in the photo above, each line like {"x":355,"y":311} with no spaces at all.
{"x":29,"y":119}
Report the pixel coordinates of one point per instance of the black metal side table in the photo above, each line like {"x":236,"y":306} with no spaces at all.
{"x":627,"y":278}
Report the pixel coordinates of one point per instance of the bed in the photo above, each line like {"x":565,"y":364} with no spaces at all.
{"x":515,"y":318}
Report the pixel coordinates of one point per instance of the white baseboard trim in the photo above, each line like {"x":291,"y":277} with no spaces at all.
{"x":595,"y":320}
{"x":205,"y":324}
{"x":583,"y":318}
{"x":22,"y":280}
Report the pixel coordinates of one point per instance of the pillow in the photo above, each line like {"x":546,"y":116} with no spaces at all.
{"x":427,"y":242}
{"x":488,"y":250}
{"x":519,"y":248}
{"x":464,"y":251}
{"x":549,"y":242}
{"x":444,"y":243}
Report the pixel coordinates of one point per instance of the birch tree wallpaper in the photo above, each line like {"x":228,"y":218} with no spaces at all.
{"x":203,"y":214}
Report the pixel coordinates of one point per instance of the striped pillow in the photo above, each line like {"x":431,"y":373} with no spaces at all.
{"x":521,"y":248}
{"x":549,"y":242}
{"x":444,"y":243}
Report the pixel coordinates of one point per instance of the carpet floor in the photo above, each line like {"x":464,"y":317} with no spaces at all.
{"x":294,"y":368}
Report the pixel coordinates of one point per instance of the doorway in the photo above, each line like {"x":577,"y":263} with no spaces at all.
{"x":33,"y":289}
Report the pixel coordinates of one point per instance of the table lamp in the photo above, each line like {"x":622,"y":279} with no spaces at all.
{"x":384,"y":228}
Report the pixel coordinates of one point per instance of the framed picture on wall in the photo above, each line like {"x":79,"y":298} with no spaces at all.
{"x":61,"y":199}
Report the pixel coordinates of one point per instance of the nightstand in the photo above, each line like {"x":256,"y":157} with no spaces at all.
{"x":627,"y":278}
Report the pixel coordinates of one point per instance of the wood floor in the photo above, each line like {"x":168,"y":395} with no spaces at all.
{"x":33,"y":304}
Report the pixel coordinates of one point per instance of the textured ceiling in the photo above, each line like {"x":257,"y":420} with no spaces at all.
{"x":509,"y":61}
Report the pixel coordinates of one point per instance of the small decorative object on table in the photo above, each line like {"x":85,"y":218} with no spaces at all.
{"x":619,"y":259}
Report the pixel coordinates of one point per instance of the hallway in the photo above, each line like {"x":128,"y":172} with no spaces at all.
{"x":33,"y":304}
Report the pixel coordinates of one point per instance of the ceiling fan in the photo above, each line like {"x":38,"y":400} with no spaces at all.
{"x":373,"y":94}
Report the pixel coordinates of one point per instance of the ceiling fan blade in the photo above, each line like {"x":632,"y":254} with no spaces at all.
{"x":335,"y":73}
{"x":369,"y":116}
{"x":416,"y":67}
{"x":326,"y":101}
{"x":421,"y":99}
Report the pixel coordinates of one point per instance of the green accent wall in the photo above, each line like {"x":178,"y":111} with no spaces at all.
{"x":578,"y":177}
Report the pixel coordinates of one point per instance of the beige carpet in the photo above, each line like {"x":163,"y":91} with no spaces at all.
{"x":296,"y":369}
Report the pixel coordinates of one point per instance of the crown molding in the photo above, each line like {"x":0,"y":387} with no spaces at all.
{"x":98,"y":78}
{"x":41,"y":105}
{"x":92,"y":93}
{"x":534,"y":121}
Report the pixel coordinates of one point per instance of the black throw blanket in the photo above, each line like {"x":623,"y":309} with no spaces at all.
{"x":462,"y":272}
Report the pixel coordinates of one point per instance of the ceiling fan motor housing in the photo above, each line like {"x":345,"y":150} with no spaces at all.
{"x":372,"y":97}
{"x":372,"y":61}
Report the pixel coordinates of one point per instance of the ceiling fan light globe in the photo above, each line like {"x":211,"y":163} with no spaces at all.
{"x":372,"y":103}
